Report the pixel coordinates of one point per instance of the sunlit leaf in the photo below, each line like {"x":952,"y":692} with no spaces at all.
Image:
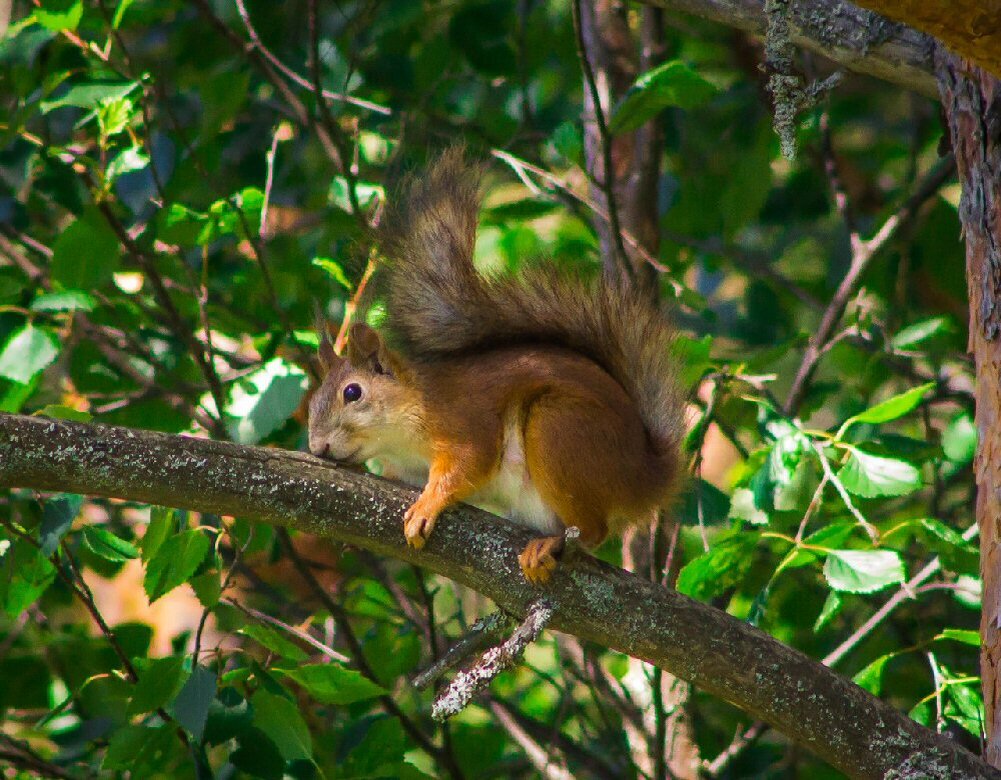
{"x":27,"y":352}
{"x":108,"y":546}
{"x":871,"y":476}
{"x":863,"y":571}
{"x":174,"y":562}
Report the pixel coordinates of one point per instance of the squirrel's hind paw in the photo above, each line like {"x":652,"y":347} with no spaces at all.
{"x":538,"y":559}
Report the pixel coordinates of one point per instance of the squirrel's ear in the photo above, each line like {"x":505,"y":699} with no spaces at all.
{"x":366,"y":349}
{"x":325,"y":350}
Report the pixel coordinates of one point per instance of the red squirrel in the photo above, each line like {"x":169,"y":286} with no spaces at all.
{"x":546,"y":396}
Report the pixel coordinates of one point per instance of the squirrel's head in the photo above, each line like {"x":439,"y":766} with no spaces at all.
{"x":361,"y":410}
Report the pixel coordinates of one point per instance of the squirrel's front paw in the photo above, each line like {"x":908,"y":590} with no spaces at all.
{"x":538,"y":559}
{"x":417,"y":525}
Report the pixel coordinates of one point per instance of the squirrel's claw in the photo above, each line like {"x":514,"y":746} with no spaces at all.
{"x":538,"y":559}
{"x":417,"y":526}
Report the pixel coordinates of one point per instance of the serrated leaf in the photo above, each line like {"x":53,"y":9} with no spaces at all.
{"x":871,"y":677}
{"x":863,"y":571}
{"x":113,"y":115}
{"x":27,"y":352}
{"x":334,"y":684}
{"x":334,"y":270}
{"x":963,"y":635}
{"x":174,"y":562}
{"x":108,"y":546}
{"x":670,"y":84}
{"x":280,"y":720}
{"x":892,"y":408}
{"x":274,"y":641}
{"x":871,"y":476}
{"x":66,"y":300}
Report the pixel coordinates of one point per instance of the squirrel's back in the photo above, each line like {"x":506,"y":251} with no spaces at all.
{"x":440,"y":307}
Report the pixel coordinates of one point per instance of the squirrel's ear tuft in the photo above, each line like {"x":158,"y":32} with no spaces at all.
{"x":367,"y":350}
{"x":325,"y":350}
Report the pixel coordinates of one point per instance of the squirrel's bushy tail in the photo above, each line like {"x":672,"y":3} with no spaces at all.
{"x":439,"y":306}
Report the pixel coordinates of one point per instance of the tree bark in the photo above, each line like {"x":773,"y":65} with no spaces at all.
{"x":971,"y":28}
{"x":853,"y":37}
{"x":972,"y":102}
{"x":857,"y":733}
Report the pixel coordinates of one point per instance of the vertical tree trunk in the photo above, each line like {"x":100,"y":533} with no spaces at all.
{"x":667,"y":748}
{"x":972,"y":101}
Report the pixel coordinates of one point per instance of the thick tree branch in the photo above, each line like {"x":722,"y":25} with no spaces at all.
{"x":853,"y":37}
{"x":971,"y":28}
{"x":843,"y":724}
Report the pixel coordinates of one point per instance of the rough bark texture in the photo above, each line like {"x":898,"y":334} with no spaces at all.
{"x":853,"y":37}
{"x":971,"y":99}
{"x":836,"y":719}
{"x":971,"y":28}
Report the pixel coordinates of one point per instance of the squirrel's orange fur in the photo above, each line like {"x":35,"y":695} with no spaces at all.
{"x":546,"y":396}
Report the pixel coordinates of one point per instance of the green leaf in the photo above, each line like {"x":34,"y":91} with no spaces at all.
{"x":871,"y":476}
{"x":722,"y":567}
{"x":25,"y":574}
{"x":367,"y":193}
{"x":264,"y":400}
{"x":832,"y":605}
{"x":86,"y":254}
{"x":207,"y":587}
{"x":57,"y":518}
{"x":380,"y":752}
{"x":274,"y":641}
{"x":966,"y":636}
{"x":59,"y":412}
{"x":89,"y":95}
{"x":29,"y":351}
{"x":871,"y":677}
{"x":59,"y":15}
{"x":333,"y":684}
{"x":140,"y":750}
{"x":108,"y":546}
{"x":334,"y":270}
{"x":863,"y":571}
{"x":162,"y":524}
{"x":126,"y":161}
{"x":158,"y":682}
{"x":892,"y":408}
{"x":914,"y":334}
{"x":191,"y":707}
{"x":174,"y":562}
{"x":959,"y":439}
{"x":67,"y":300}
{"x":670,"y":84}
{"x":280,"y":720}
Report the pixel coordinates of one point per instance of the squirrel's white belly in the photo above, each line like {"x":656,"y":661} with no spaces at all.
{"x":510,"y":493}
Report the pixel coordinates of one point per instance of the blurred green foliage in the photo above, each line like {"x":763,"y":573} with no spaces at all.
{"x":173,"y":204}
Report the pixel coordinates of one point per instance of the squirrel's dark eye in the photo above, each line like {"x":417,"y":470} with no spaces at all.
{"x":352,"y":393}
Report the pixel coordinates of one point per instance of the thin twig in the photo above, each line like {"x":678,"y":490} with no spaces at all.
{"x":469,"y":682}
